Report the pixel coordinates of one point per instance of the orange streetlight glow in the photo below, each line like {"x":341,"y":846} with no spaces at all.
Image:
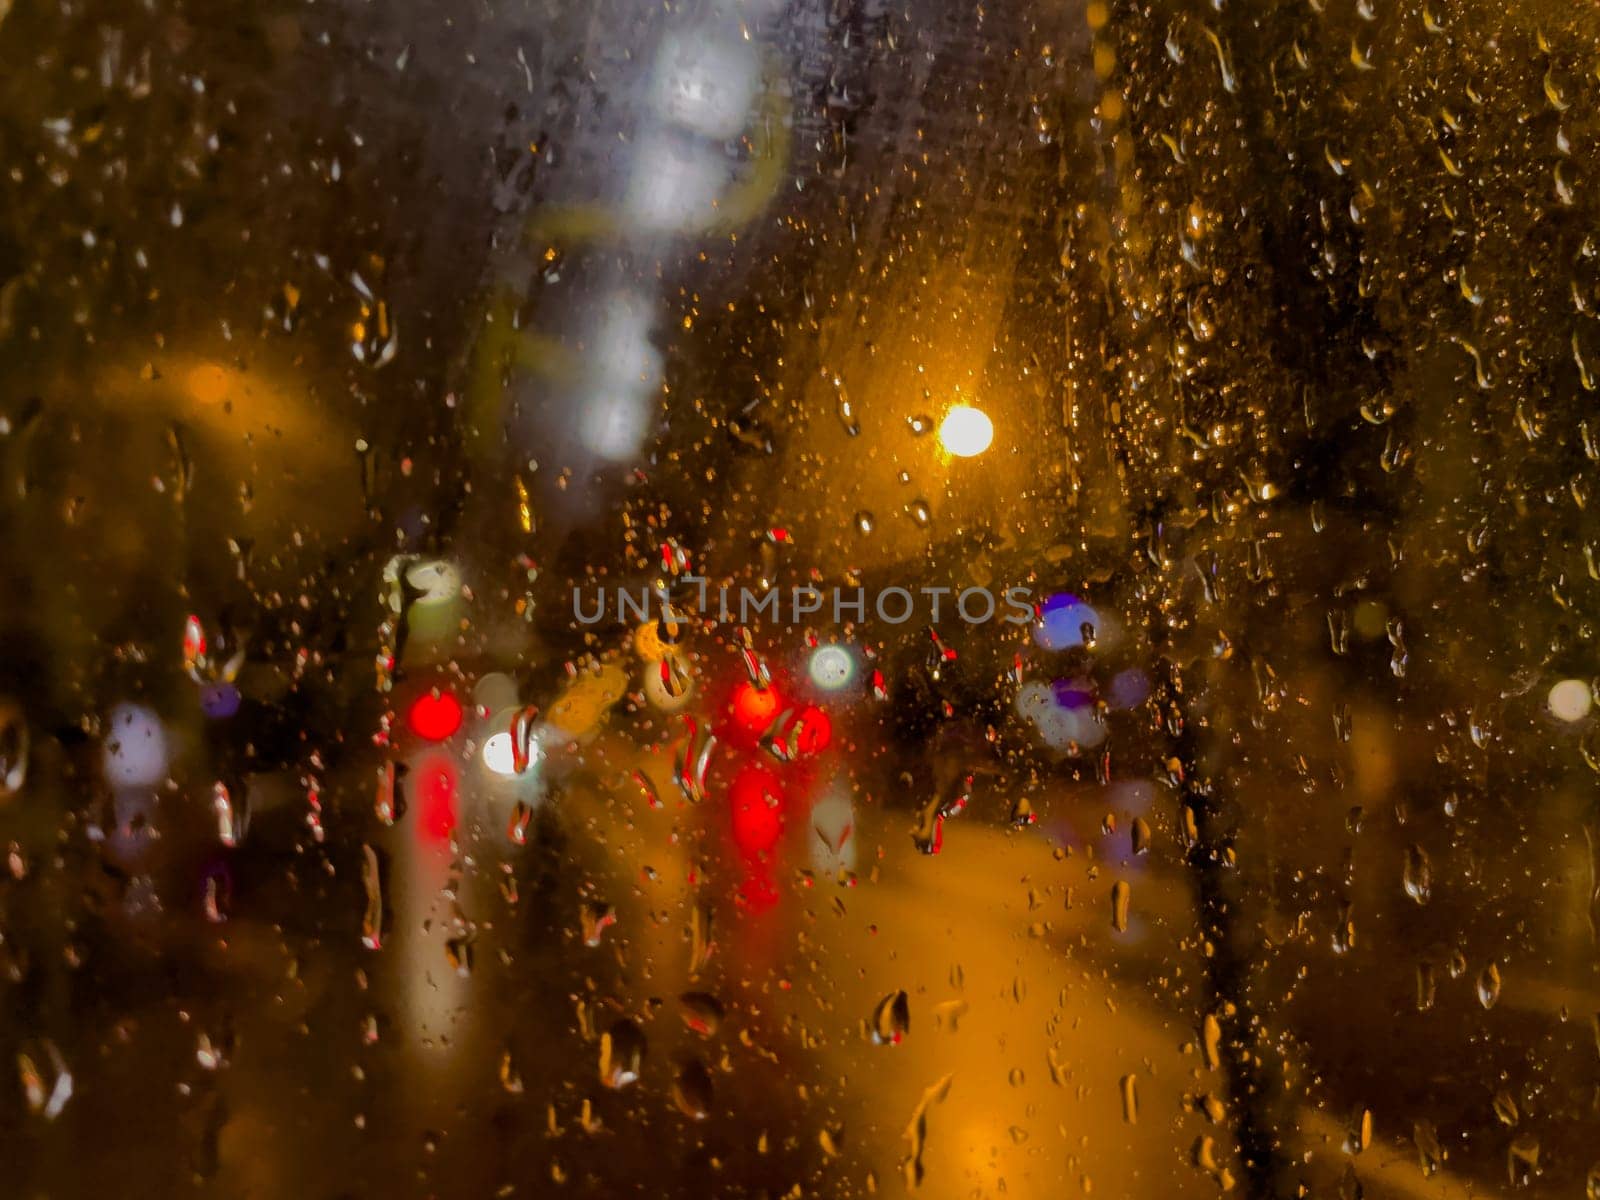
{"x":966,"y":432}
{"x":208,"y":383}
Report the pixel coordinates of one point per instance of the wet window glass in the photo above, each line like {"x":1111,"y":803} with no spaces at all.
{"x":778,"y":598}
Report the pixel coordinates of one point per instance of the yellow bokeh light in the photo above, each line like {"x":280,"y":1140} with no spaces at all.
{"x":648,"y":644}
{"x":966,"y":432}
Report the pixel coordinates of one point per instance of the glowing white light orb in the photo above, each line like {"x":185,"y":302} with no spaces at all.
{"x":1571,"y":699}
{"x":674,"y":185}
{"x":436,"y":579}
{"x":615,"y":410}
{"x":706,"y":84}
{"x":135,"y":747}
{"x":833,"y":833}
{"x":1091,"y":732}
{"x":500,"y":757}
{"x":613,"y":426}
{"x":494,"y":693}
{"x":623,"y":350}
{"x":1059,"y":727}
{"x":1034,"y":699}
{"x":1129,"y":688}
{"x":965,"y":431}
{"x":831,"y":668}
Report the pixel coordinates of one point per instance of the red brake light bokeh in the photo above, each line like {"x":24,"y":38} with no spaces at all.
{"x":754,"y":708}
{"x":757,"y":801}
{"x":435,"y":717}
{"x":436,"y":791}
{"x":814,"y":730}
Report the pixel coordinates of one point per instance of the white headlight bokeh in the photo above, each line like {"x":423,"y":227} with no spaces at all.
{"x":674,"y":184}
{"x":706,"y":83}
{"x":136,"y":751}
{"x":498,"y":756}
{"x":623,"y":352}
{"x":613,"y":425}
{"x":1059,"y":726}
{"x":436,"y":579}
{"x":614,"y":411}
{"x":831,"y":667}
{"x":1570,"y":700}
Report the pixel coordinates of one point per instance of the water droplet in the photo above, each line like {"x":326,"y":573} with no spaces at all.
{"x":597,"y":918}
{"x":847,"y":412}
{"x":1430,"y":1155}
{"x":691,"y":1090}
{"x":1230,"y":82}
{"x":700,"y":943}
{"x":622,"y":1050}
{"x":1211,"y":1041}
{"x":231,"y":818}
{"x":1139,"y":836}
{"x":702,"y":1012}
{"x":371,"y":881}
{"x":510,"y":1077}
{"x":14,"y":750}
{"x":891,"y":1019}
{"x":1396,"y":453}
{"x":517,"y":829}
{"x":459,"y":954}
{"x":1358,"y":1136}
{"x":751,"y":433}
{"x":1522,"y":1160}
{"x":1505,"y":1107}
{"x":1121,"y":897}
{"x":1418,"y":875}
{"x":1427,"y":986}
{"x":524,"y":739}
{"x":1344,"y":932}
{"x":386,"y":805}
{"x":1489,"y":986}
{"x":1378,"y":410}
{"x":917,"y":1131}
{"x":1478,"y":730}
{"x":47,"y":1094}
{"x":1339,"y":630}
{"x":218,"y":898}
